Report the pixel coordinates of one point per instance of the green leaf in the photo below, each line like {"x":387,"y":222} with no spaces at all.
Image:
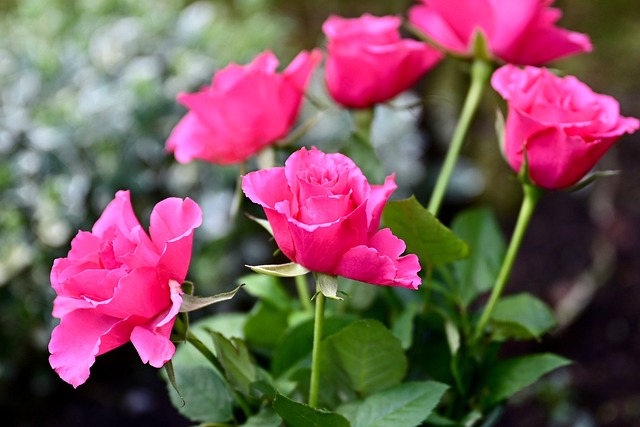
{"x":402,"y":326}
{"x":405,"y":405}
{"x":365,"y":355}
{"x":424,"y":235}
{"x":509,"y":376}
{"x":268,"y":289}
{"x":265,"y":326}
{"x":328,"y":285}
{"x":296,"y":414}
{"x":236,"y":361}
{"x":228,"y":324}
{"x":207,"y":397}
{"x":290,"y":269}
{"x":265,"y":418}
{"x":453,"y":336}
{"x":359,"y":295}
{"x":477,"y":274}
{"x":440,"y":421}
{"x":521,"y":316}
{"x":297,"y":344}
{"x":191,"y":303}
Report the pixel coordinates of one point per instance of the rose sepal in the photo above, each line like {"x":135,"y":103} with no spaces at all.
{"x":262,"y":222}
{"x":591,"y":179}
{"x":481,"y":50}
{"x":327,"y":285}
{"x":192,"y":302}
{"x":290,"y":269}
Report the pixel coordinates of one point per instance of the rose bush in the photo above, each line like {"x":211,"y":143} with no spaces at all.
{"x":520,"y":32}
{"x":118,"y":284}
{"x":368,"y":62}
{"x":325,"y":217}
{"x":562,"y":124}
{"x":245,"y":109}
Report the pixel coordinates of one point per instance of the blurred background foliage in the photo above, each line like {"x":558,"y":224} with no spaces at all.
{"x":87,"y":100}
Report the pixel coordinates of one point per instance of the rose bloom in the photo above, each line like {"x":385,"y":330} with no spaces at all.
{"x":325,"y":217}
{"x":368,"y":62}
{"x":520,"y":32}
{"x":245,"y":109}
{"x":562,"y":124}
{"x":118,"y":284}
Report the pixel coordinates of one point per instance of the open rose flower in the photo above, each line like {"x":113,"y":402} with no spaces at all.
{"x":245,"y":109}
{"x":369,"y":63}
{"x":325,"y":217}
{"x":562,"y":124}
{"x":118,"y":284}
{"x":520,"y":32}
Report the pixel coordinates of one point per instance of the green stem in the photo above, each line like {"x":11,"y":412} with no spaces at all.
{"x":362,"y":120}
{"x":318,"y":327}
{"x":531,"y":196}
{"x":303,"y":293}
{"x":199,"y":345}
{"x":480,"y":73}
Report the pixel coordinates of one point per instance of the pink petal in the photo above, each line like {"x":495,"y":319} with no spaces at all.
{"x":437,"y":28}
{"x":64,"y":305}
{"x":367,"y":265}
{"x":154,"y":348}
{"x":139,"y":294}
{"x":299,"y":71}
{"x":176,"y":302}
{"x":319,"y":247}
{"x":512,"y":19}
{"x":377,"y":199}
{"x":96,"y":285}
{"x":544,"y":42}
{"x":266,"y":187}
{"x":118,"y":213}
{"x":442,"y":21}
{"x":76,"y":342}
{"x":172,"y":223}
{"x":192,"y":139}
{"x":378,"y":30}
{"x":266,"y":62}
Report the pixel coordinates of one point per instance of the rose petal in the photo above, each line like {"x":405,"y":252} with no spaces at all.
{"x":380,"y":265}
{"x":172,"y":223}
{"x":76,"y":342}
{"x":139,"y":293}
{"x":154,"y":348}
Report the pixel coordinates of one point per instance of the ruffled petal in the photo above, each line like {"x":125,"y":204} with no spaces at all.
{"x":154,"y":348}
{"x":377,"y":199}
{"x":193,"y":139}
{"x":76,"y":342}
{"x":118,"y":213}
{"x":172,"y":223}
{"x":139,"y":293}
{"x":378,"y":264}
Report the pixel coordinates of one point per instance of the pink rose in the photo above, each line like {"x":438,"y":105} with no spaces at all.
{"x":564,"y":126}
{"x":325,"y":217}
{"x":245,"y":109}
{"x":520,"y":32}
{"x":367,"y":61}
{"x":117,"y":284}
